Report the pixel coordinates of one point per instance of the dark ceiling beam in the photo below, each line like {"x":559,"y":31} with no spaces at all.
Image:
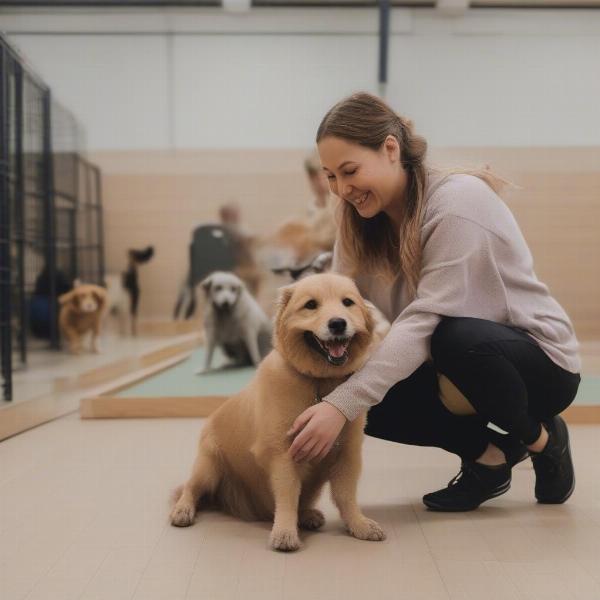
{"x":472,"y":4}
{"x":384,"y":42}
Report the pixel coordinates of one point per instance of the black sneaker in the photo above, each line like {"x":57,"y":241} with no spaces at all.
{"x":474,"y":484}
{"x":514,"y":450}
{"x":554,"y":474}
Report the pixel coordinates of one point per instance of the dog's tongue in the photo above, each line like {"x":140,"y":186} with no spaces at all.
{"x":336,"y":349}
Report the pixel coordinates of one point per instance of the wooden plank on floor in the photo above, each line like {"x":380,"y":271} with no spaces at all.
{"x":107,"y":407}
{"x":107,"y":372}
{"x":66,"y":395}
{"x":164,"y":353}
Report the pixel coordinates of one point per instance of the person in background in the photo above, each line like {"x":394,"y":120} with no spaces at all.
{"x":321,"y":220}
{"x":247,"y":268}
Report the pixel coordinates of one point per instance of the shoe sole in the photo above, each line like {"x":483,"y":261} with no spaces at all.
{"x":566,"y":496}
{"x":440,"y":508}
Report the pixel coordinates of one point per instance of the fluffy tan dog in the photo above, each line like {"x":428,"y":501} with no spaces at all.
{"x":323,"y":332}
{"x":81,"y":312}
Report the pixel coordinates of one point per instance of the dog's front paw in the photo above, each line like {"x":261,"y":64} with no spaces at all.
{"x":182,"y":515}
{"x":366,"y":529}
{"x":311,"y":518}
{"x":286,"y":540}
{"x":201,"y":371}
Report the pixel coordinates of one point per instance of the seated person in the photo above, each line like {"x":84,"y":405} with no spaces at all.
{"x":320,"y":211}
{"x":247,"y":269}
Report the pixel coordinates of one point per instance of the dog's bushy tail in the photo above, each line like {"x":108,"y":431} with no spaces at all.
{"x":230,"y":497}
{"x":234,"y":498}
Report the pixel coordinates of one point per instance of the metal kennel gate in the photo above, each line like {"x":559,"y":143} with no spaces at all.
{"x":50,"y":212}
{"x":5,"y":242}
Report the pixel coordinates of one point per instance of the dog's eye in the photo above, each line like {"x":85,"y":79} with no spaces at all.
{"x":217,"y":288}
{"x":347,"y":302}
{"x":311,"y":305}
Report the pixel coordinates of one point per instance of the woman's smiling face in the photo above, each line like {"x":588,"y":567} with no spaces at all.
{"x":371,"y":180}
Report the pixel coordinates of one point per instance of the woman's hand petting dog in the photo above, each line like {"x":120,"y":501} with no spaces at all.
{"x":319,"y":427}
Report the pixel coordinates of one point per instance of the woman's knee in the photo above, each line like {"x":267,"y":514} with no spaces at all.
{"x":449,"y":338}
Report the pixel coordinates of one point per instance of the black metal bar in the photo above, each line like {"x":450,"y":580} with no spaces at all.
{"x":73,"y":242}
{"x":303,"y":4}
{"x":50,"y":210}
{"x":113,"y":3}
{"x":100,"y":223}
{"x":90,"y":217}
{"x":5,"y":235}
{"x":21,"y":211}
{"x":384,"y":39}
{"x":76,"y":213}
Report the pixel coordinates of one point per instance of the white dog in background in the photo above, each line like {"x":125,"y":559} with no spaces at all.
{"x":234,"y":321}
{"x":118,"y":301}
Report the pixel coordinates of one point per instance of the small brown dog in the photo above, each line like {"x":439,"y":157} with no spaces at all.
{"x":81,"y":312}
{"x":323,"y":332}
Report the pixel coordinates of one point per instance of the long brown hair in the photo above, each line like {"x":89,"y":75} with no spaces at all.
{"x":373,"y":245}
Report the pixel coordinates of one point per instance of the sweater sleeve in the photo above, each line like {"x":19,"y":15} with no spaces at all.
{"x":458,"y":274}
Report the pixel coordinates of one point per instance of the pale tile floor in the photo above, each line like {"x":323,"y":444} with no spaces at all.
{"x":84,"y":506}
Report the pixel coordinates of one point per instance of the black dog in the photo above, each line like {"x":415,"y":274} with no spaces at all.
{"x":130,"y":280}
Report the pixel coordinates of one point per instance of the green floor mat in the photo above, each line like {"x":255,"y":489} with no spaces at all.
{"x":181,"y":380}
{"x":589,"y":391}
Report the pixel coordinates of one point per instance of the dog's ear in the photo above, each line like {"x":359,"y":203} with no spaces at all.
{"x":241,"y":284}
{"x":66,"y":298}
{"x":100,"y":294}
{"x":206,"y":283}
{"x":372,"y":316}
{"x":369,"y":319}
{"x":284,"y":294}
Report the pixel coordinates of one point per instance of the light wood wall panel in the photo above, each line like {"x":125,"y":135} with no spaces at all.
{"x":158,"y":198}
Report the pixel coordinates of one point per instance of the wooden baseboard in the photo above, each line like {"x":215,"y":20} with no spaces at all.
{"x":582,"y":415}
{"x":114,"y":407}
{"x":108,"y":407}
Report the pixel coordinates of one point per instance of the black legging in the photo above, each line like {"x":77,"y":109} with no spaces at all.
{"x":505,"y":375}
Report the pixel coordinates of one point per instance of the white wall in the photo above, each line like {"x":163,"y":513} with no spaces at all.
{"x":205,"y":79}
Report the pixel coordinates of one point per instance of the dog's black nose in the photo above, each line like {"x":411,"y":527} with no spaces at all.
{"x":337,"y":326}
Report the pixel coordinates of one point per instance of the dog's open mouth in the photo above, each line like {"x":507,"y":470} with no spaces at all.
{"x":334,"y":350}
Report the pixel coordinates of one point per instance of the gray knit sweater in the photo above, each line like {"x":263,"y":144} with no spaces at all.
{"x":475,"y":263}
